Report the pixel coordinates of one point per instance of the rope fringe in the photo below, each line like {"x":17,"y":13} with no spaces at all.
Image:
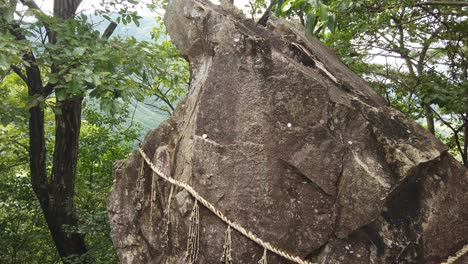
{"x":263,"y":260}
{"x":140,"y":193}
{"x":192,"y":247}
{"x":227,"y":248}
{"x":194,"y":234}
{"x":219,"y":214}
{"x":458,"y":255}
{"x":168,"y":218}
{"x":154,"y":190}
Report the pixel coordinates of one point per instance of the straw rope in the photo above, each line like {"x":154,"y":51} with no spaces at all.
{"x":457,"y":256}
{"x":227,"y":248}
{"x":219,"y":214}
{"x":263,"y":260}
{"x":239,"y":228}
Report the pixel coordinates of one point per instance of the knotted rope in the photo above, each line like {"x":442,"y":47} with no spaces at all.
{"x":457,"y":256}
{"x":220,"y":215}
{"x":192,"y":247}
{"x":263,"y":260}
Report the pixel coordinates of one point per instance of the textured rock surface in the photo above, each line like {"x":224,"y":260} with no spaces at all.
{"x":288,"y":142}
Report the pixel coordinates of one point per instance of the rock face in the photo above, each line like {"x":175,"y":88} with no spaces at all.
{"x":289,"y":143}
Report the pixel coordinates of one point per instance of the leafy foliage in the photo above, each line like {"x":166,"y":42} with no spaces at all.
{"x":55,"y":69}
{"x":24,"y":237}
{"x":104,"y":139}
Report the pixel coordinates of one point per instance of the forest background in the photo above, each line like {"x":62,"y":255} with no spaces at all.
{"x":81,"y":84}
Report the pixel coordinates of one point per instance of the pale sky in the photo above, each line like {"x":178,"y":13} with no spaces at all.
{"x":46,"y":5}
{"x":90,"y":5}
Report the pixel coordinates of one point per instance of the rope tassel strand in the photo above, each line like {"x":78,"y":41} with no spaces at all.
{"x":220,"y":215}
{"x":263,"y":260}
{"x":192,"y":247}
{"x":227,"y":248}
{"x":194,"y":234}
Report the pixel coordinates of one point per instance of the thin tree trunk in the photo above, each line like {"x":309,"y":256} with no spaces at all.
{"x":62,"y":187}
{"x":429,"y":115}
{"x":465,"y":143}
{"x":264,"y":19}
{"x":56,"y":194}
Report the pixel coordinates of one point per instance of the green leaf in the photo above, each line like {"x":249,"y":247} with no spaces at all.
{"x":332,"y":23}
{"x":279,"y":4}
{"x":60,"y":94}
{"x":68,"y":77}
{"x":297,"y":4}
{"x":78,"y":51}
{"x":52,"y":79}
{"x":8,"y":15}
{"x":310,"y":23}
{"x":35,"y":100}
{"x":57,"y":110}
{"x":284,"y":5}
{"x":26,"y":63}
{"x":342,"y":6}
{"x":96,"y":80}
{"x":5,"y":120}
{"x":323,"y":12}
{"x":4,"y":61}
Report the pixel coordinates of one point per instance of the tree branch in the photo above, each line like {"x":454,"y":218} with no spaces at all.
{"x":264,"y":19}
{"x":20,"y":162}
{"x":109,"y":30}
{"x":25,"y":147}
{"x":33,"y":6}
{"x":66,"y":9}
{"x":158,"y":108}
{"x":441,"y":3}
{"x":455,"y":133}
{"x":161,"y":95}
{"x":426,"y":45}
{"x":18,"y":72}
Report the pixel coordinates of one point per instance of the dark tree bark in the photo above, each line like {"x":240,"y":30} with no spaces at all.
{"x":264,"y":19}
{"x":429,"y":115}
{"x":62,"y":184}
{"x":56,"y":194}
{"x":464,"y":153}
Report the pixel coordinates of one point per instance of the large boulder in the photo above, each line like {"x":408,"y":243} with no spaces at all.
{"x":286,"y":141}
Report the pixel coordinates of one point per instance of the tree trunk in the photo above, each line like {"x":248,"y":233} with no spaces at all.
{"x":62,"y":186}
{"x":429,"y":118}
{"x":465,"y":143}
{"x":60,"y":215}
{"x":56,"y":196}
